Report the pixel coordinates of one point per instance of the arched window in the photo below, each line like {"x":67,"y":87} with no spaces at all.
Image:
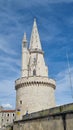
{"x":20,"y":101}
{"x":8,"y":115}
{"x":13,"y":114}
{"x":34,"y":72}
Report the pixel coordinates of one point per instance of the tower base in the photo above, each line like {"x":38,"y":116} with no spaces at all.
{"x":34,"y":94}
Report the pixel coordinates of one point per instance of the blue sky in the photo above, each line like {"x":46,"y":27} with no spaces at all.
{"x":55,"y":24}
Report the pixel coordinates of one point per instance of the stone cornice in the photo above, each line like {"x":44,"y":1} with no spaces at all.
{"x":36,"y":51}
{"x":24,"y":82}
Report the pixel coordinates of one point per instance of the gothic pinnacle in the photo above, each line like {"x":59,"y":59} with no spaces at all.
{"x":24,"y":38}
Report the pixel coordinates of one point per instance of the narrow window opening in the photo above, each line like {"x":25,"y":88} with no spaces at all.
{"x":34,"y":72}
{"x":20,"y":101}
{"x":13,"y":114}
{"x":8,"y":114}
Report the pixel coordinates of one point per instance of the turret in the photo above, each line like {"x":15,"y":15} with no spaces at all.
{"x":24,"y":57}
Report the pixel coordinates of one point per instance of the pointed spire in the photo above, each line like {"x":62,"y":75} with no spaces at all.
{"x":24,"y":38}
{"x":35,"y":40}
{"x":24,"y":41}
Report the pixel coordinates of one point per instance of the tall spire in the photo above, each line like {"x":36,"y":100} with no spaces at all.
{"x":24,"y":41}
{"x":35,"y":40}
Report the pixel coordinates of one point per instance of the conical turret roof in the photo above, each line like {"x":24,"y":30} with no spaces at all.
{"x":24,"y":38}
{"x":35,"y":39}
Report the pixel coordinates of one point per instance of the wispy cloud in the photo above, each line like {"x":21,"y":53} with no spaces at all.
{"x":7,"y":92}
{"x":16,"y":4}
{"x":34,"y":2}
{"x":64,"y":89}
{"x":4,"y":46}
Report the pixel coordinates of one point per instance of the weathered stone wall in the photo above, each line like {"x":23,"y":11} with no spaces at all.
{"x":31,"y":91}
{"x":50,"y":119}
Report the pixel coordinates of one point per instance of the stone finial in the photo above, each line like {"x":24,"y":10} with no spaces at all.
{"x":24,"y":38}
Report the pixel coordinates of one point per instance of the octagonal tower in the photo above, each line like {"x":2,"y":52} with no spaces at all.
{"x":34,"y":90}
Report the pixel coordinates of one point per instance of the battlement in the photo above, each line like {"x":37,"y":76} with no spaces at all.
{"x":26,"y":81}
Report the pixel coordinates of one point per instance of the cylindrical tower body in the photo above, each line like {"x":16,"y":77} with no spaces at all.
{"x":34,"y":94}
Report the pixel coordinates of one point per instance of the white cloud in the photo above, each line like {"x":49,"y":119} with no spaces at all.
{"x":7,"y":105}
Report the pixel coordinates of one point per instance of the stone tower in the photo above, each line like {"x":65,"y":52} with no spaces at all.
{"x":34,"y":90}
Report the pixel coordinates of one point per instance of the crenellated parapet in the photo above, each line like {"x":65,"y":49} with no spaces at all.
{"x":28,"y":81}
